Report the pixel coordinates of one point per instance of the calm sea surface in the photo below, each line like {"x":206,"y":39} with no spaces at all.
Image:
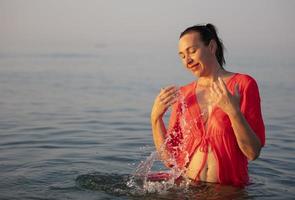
{"x":65,"y":116}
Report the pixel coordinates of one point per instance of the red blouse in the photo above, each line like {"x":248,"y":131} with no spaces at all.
{"x":186,"y":131}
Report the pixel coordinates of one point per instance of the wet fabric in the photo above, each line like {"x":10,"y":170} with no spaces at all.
{"x":186,"y":131}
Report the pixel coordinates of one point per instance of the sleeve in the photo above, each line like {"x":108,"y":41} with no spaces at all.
{"x":251,"y":108}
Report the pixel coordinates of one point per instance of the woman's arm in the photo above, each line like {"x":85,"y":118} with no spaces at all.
{"x":247,"y":139}
{"x":159,"y":130}
{"x":163,"y":101}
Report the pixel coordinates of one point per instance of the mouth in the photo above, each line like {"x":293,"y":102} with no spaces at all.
{"x":195,"y":67}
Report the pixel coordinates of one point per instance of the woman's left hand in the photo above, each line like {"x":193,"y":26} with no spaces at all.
{"x":222,"y":97}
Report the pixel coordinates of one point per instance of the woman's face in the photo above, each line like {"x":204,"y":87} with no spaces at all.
{"x":194,"y":54}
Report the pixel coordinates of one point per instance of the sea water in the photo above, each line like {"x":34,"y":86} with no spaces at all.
{"x":76,"y":128}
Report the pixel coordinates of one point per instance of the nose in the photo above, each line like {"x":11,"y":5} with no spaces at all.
{"x":188,"y":61}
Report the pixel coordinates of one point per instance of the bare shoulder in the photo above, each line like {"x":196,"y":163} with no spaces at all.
{"x":226,"y":75}
{"x":241,"y":77}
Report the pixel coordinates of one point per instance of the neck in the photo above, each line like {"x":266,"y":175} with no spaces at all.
{"x":212,"y":76}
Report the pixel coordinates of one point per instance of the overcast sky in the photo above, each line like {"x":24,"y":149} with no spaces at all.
{"x":29,"y":25}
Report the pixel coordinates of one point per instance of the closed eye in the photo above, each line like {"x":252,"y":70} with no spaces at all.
{"x":192,"y":50}
{"x":181,"y":55}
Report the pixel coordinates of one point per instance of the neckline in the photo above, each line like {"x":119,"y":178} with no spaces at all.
{"x":205,"y":128}
{"x":226,"y":83}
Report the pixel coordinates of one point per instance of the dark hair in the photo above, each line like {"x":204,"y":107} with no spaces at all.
{"x":207,"y":33}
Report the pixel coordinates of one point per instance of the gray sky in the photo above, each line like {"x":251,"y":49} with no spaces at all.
{"x":36,"y":25}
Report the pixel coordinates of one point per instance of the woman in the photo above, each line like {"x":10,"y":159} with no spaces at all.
{"x":221,"y":126}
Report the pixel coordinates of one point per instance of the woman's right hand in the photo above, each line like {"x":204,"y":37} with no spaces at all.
{"x":164,"y":99}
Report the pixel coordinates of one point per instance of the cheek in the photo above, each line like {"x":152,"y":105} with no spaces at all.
{"x":197,"y":56}
{"x":205,"y":55}
{"x":200,"y":55}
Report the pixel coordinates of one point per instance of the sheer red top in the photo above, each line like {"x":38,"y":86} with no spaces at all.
{"x":187,"y":133}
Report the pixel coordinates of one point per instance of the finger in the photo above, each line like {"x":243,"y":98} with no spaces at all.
{"x":164,"y":98}
{"x":237,"y":90}
{"x":217,"y":88}
{"x":212,"y":89}
{"x":172,"y":102}
{"x":212,"y":96}
{"x":169,"y":93}
{"x":168,"y":104}
{"x":222,"y":85}
{"x":164,"y":89}
{"x":171,"y":97}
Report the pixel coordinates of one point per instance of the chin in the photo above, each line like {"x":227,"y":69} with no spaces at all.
{"x":197,"y":73}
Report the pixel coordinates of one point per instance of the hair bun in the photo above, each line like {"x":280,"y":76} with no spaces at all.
{"x":212,"y":28}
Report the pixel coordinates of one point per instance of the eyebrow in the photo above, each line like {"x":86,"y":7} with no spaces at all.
{"x":188,"y":48}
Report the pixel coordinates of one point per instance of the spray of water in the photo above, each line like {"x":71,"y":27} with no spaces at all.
{"x":141,"y":180}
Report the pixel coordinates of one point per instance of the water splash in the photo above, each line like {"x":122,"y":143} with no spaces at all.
{"x":115,"y":184}
{"x":144,"y":180}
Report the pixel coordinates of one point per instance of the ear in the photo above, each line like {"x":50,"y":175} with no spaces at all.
{"x":212,"y":46}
